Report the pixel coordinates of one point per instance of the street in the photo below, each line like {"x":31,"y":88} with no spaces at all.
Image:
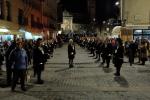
{"x":87,"y":80}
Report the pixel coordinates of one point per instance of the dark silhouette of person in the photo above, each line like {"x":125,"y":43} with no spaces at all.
{"x":71,"y":52}
{"x":38,"y":60}
{"x":8,"y":62}
{"x":118,"y":56}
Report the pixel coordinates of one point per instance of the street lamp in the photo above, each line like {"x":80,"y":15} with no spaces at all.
{"x":94,"y":26}
{"x":117,"y":3}
{"x":94,"y":19}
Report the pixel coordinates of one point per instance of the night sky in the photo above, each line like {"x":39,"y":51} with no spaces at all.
{"x":75,"y":5}
{"x":105,"y":9}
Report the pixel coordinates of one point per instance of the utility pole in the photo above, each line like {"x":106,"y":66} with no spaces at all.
{"x":121,"y":10}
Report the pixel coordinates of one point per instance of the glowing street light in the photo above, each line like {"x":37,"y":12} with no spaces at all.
{"x":117,"y":3}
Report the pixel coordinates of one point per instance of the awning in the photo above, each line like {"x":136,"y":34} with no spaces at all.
{"x":4,"y":31}
{"x":116,"y":30}
{"x":16,"y":32}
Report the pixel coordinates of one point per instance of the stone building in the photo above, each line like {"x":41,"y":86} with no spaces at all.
{"x":34,"y":16}
{"x":135,"y":15}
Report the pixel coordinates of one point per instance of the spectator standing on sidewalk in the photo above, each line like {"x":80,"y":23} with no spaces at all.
{"x":107,"y":52}
{"x":8,"y":66}
{"x":98,"y":49}
{"x":1,"y":61}
{"x":131,"y":52}
{"x":19,"y":63}
{"x":143,"y":50}
{"x":38,"y":60}
{"x":71,"y":52}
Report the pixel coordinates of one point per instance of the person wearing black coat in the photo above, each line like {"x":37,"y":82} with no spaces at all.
{"x":131,"y":51}
{"x":9,"y":73}
{"x":38,"y":61}
{"x":98,"y":50}
{"x":107,"y":52}
{"x":71,"y":52}
{"x":1,"y":60}
{"x":143,"y":55}
{"x":118,"y":57}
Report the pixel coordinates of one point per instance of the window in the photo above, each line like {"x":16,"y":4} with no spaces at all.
{"x":47,"y":3}
{"x":138,"y":32}
{"x":38,"y":19}
{"x":146,"y":32}
{"x":8,"y":11}
{"x":1,"y":10}
{"x":32,"y":18}
{"x":26,"y":1}
{"x":26,"y":21}
{"x":143,"y":33}
{"x":20,"y":16}
{"x":32,"y":21}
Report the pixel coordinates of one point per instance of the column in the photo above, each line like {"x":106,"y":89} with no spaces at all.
{"x":121,"y":9}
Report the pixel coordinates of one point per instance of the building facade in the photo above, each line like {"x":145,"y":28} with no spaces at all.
{"x":68,"y":25}
{"x":67,"y":22}
{"x":135,"y":14}
{"x":35,"y":16}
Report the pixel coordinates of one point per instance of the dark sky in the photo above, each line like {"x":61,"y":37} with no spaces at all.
{"x":104,"y":8}
{"x":75,"y":5}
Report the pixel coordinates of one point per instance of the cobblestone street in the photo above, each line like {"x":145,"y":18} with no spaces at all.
{"x":87,"y":80}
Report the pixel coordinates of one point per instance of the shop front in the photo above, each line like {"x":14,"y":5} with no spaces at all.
{"x":5,"y":35}
{"x":141,"y":34}
{"x":9,"y":31}
{"x":140,"y":31}
{"x":6,"y":38}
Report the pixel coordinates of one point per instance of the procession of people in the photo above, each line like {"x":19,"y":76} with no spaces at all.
{"x":19,"y":54}
{"x":115,"y":49}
